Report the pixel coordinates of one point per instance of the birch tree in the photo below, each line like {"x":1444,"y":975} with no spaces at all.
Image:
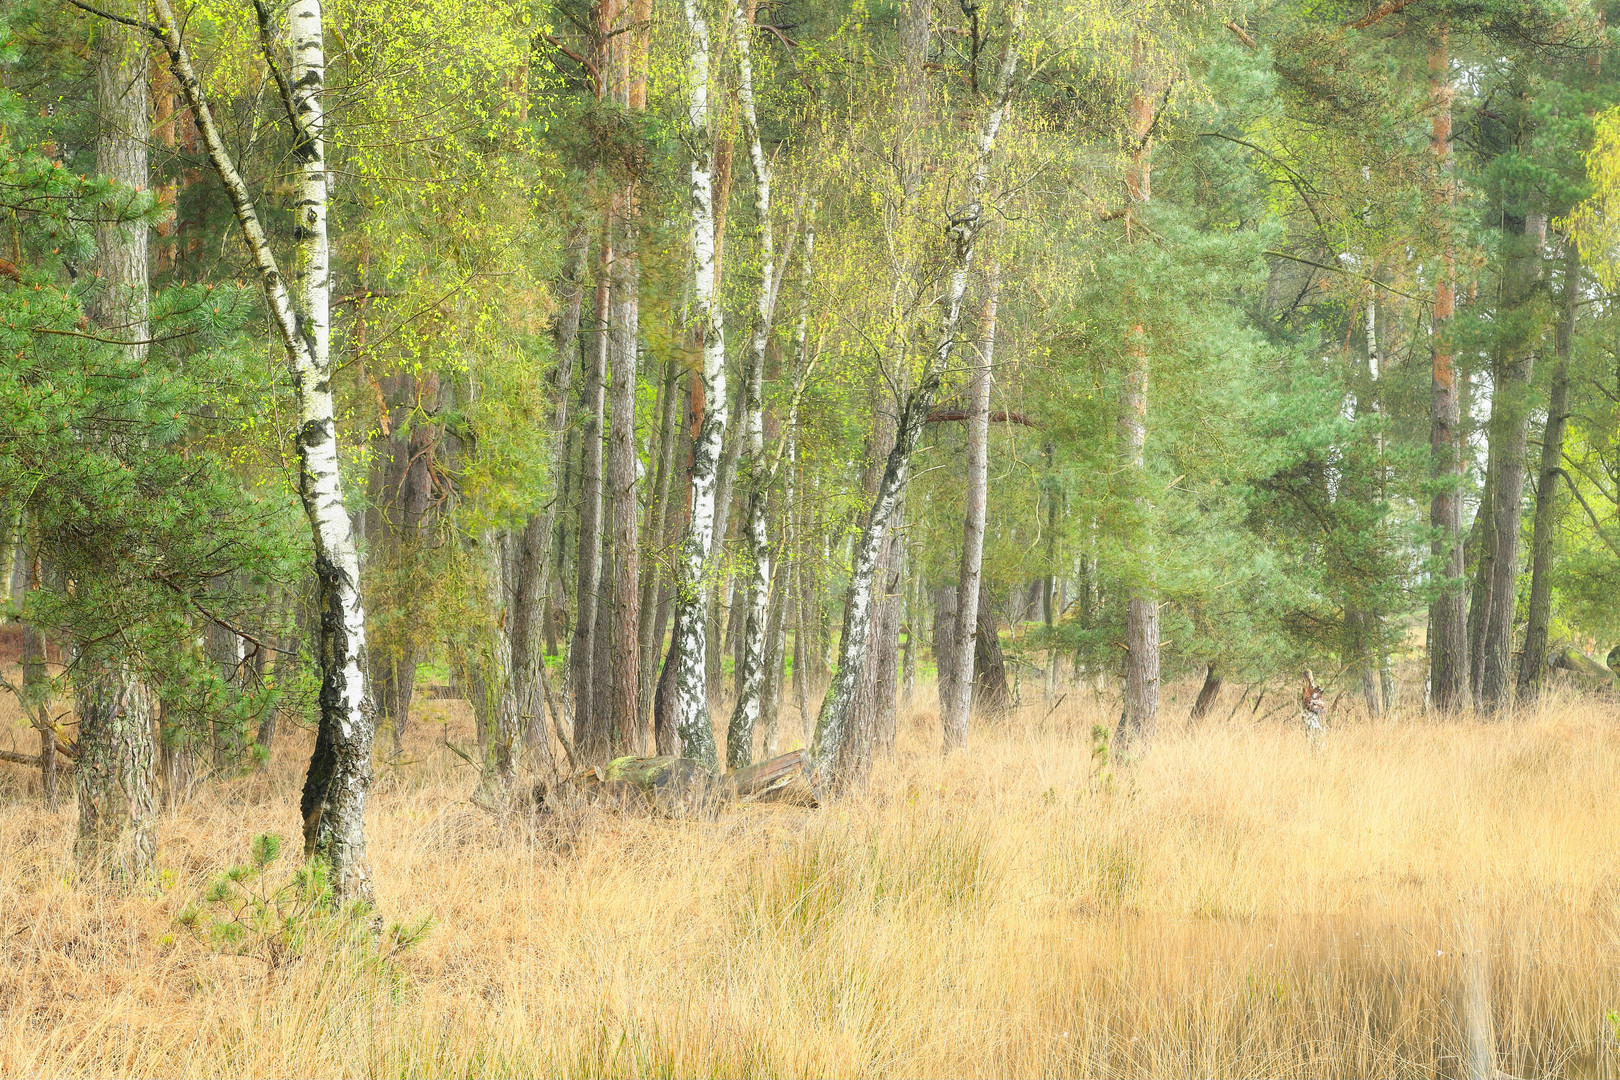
{"x":751,"y":675}
{"x":334,"y":795}
{"x":832,"y":725}
{"x":956,"y":692}
{"x":693,"y":723}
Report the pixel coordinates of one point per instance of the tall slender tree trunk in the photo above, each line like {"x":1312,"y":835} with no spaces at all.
{"x":1479,"y":545}
{"x":333,"y":802}
{"x":534,"y":598}
{"x":622,"y":718}
{"x":1510,"y":427}
{"x":1549,"y":506}
{"x":751,"y":674}
{"x":883,"y":681}
{"x":1448,"y":623}
{"x":590,"y":738}
{"x":402,"y":513}
{"x":114,"y":773}
{"x":832,"y":725}
{"x":1140,"y":715}
{"x":693,"y":722}
{"x":957,"y":691}
{"x":653,"y":602}
{"x":35,"y":678}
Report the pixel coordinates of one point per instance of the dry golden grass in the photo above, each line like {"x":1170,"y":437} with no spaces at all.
{"x":1236,"y":904}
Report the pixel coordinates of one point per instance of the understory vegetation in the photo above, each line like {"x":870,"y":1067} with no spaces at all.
{"x":1239,"y":904}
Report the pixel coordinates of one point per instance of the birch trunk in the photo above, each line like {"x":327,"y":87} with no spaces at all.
{"x":590,"y":741}
{"x":1549,"y":507}
{"x":832,"y":725}
{"x":751,"y":674}
{"x":114,"y":774}
{"x":333,"y":802}
{"x":693,"y":723}
{"x":957,"y":691}
{"x":1448,"y":623}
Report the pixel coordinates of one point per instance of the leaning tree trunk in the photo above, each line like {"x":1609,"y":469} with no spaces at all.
{"x":1448,"y":622}
{"x":114,"y":773}
{"x":832,"y":725}
{"x":334,"y":796}
{"x":1208,"y":693}
{"x":751,"y":674}
{"x":956,"y":692}
{"x":1533,"y":663}
{"x":692,"y":720}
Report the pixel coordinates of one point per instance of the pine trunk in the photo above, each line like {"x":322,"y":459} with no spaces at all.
{"x":115,"y":771}
{"x":622,"y":717}
{"x":1448,"y":628}
{"x":1510,"y":428}
{"x":1140,"y":716}
{"x":590,"y":739}
{"x":653,"y":603}
{"x":1549,"y":506}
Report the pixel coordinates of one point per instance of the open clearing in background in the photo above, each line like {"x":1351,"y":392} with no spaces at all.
{"x":1235,"y":904}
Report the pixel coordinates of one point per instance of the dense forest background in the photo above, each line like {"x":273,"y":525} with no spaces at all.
{"x":697,"y":380}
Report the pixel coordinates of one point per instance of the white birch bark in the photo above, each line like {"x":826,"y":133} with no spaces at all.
{"x":832,"y":725}
{"x":959,"y":687}
{"x":334,"y":796}
{"x":692,"y":720}
{"x":751,"y":677}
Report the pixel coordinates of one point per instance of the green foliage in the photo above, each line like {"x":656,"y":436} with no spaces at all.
{"x":254,"y":910}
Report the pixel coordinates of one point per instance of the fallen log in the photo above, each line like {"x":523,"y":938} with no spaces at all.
{"x":681,"y":788}
{"x":63,"y":762}
{"x":1570,"y":658}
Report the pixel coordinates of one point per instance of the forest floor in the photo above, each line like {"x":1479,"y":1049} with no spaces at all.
{"x":1237,"y":903}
